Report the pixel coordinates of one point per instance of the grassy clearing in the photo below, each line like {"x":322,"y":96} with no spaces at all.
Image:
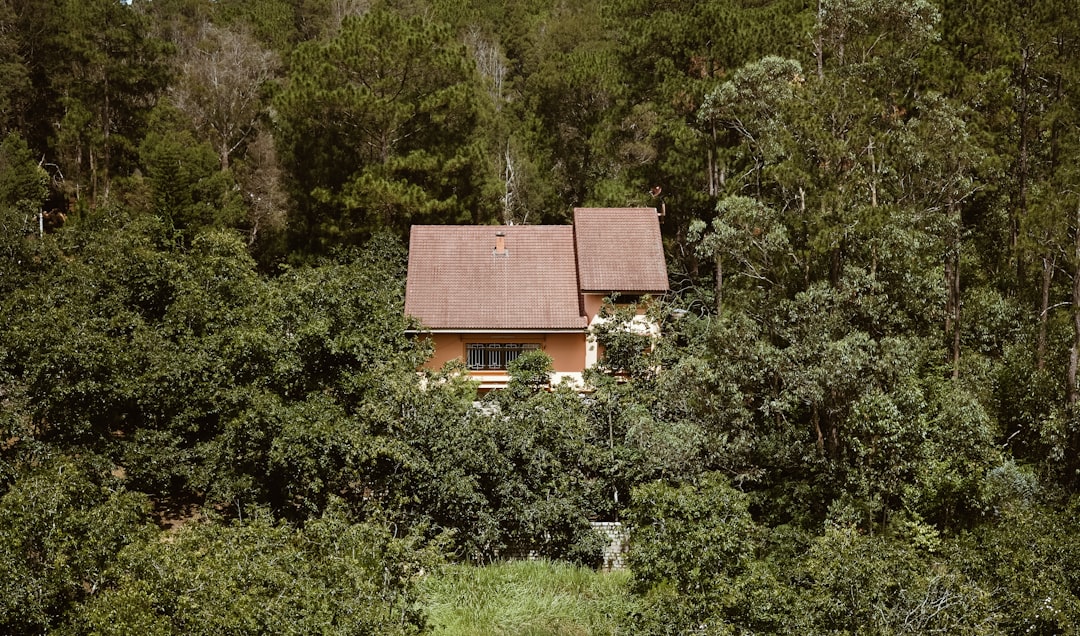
{"x":527,"y":598}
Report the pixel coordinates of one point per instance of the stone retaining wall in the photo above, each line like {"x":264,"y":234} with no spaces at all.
{"x":615,"y":552}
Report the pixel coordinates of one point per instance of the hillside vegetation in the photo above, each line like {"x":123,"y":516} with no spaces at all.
{"x":862,"y":416}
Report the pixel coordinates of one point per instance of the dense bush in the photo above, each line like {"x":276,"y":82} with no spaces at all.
{"x":861,"y":415}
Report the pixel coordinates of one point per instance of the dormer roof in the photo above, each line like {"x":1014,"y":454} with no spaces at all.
{"x":619,"y":250}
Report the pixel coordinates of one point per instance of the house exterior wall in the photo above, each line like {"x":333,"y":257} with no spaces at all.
{"x":448,"y":346}
{"x":592,"y":303}
{"x":567,"y":350}
{"x":571,"y":353}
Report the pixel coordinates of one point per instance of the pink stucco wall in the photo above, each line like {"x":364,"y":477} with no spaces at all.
{"x":567,"y":350}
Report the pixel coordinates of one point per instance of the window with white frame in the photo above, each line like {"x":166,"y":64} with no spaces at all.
{"x":495,"y":356}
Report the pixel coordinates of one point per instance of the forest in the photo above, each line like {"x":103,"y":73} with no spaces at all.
{"x":862,"y":415}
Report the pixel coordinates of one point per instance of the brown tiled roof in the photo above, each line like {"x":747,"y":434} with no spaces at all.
{"x":456,"y":281}
{"x":619,"y":249}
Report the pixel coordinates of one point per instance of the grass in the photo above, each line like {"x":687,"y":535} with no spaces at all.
{"x":526,"y":598}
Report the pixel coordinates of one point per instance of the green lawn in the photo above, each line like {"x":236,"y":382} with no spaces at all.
{"x":526,"y":598}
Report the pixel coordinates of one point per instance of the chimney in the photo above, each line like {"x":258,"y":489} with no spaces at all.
{"x":500,"y":243}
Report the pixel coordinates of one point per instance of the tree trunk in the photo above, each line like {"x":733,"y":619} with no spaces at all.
{"x":952,"y":285}
{"x":508,"y":186}
{"x":819,"y":45}
{"x":1048,"y":263}
{"x":719,"y":285}
{"x":816,"y":417}
{"x":1074,"y":354}
{"x":1022,"y":171}
{"x":106,"y":125}
{"x":713,"y":185}
{"x":93,"y":175}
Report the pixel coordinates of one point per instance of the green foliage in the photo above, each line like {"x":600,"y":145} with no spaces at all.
{"x":509,"y":472}
{"x":865,"y":37}
{"x":672,"y":55}
{"x":61,"y":526}
{"x":857,"y":583}
{"x":627,"y":338}
{"x":274,"y":22}
{"x":198,"y":375}
{"x":23,"y":191}
{"x":14,"y":74}
{"x":747,"y":235}
{"x":186,"y":186}
{"x":876,"y":422}
{"x":23,"y":183}
{"x":257,"y":576}
{"x":22,"y":257}
{"x":529,"y":373}
{"x":692,"y":545}
{"x":1029,"y":559}
{"x":702,"y":565}
{"x":1027,"y":400}
{"x":545,"y":495}
{"x":572,"y":85}
{"x":77,"y":337}
{"x":750,"y":106}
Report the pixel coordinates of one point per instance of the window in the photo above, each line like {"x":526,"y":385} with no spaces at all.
{"x":495,"y":355}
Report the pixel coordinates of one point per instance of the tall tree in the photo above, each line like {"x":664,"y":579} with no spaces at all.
{"x":110,"y":76}
{"x":14,"y":74}
{"x":220,"y":86}
{"x":672,"y":55}
{"x":378,"y":127}
{"x":1014,"y":63}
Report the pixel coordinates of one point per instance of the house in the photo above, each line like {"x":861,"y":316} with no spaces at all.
{"x":484,"y":294}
